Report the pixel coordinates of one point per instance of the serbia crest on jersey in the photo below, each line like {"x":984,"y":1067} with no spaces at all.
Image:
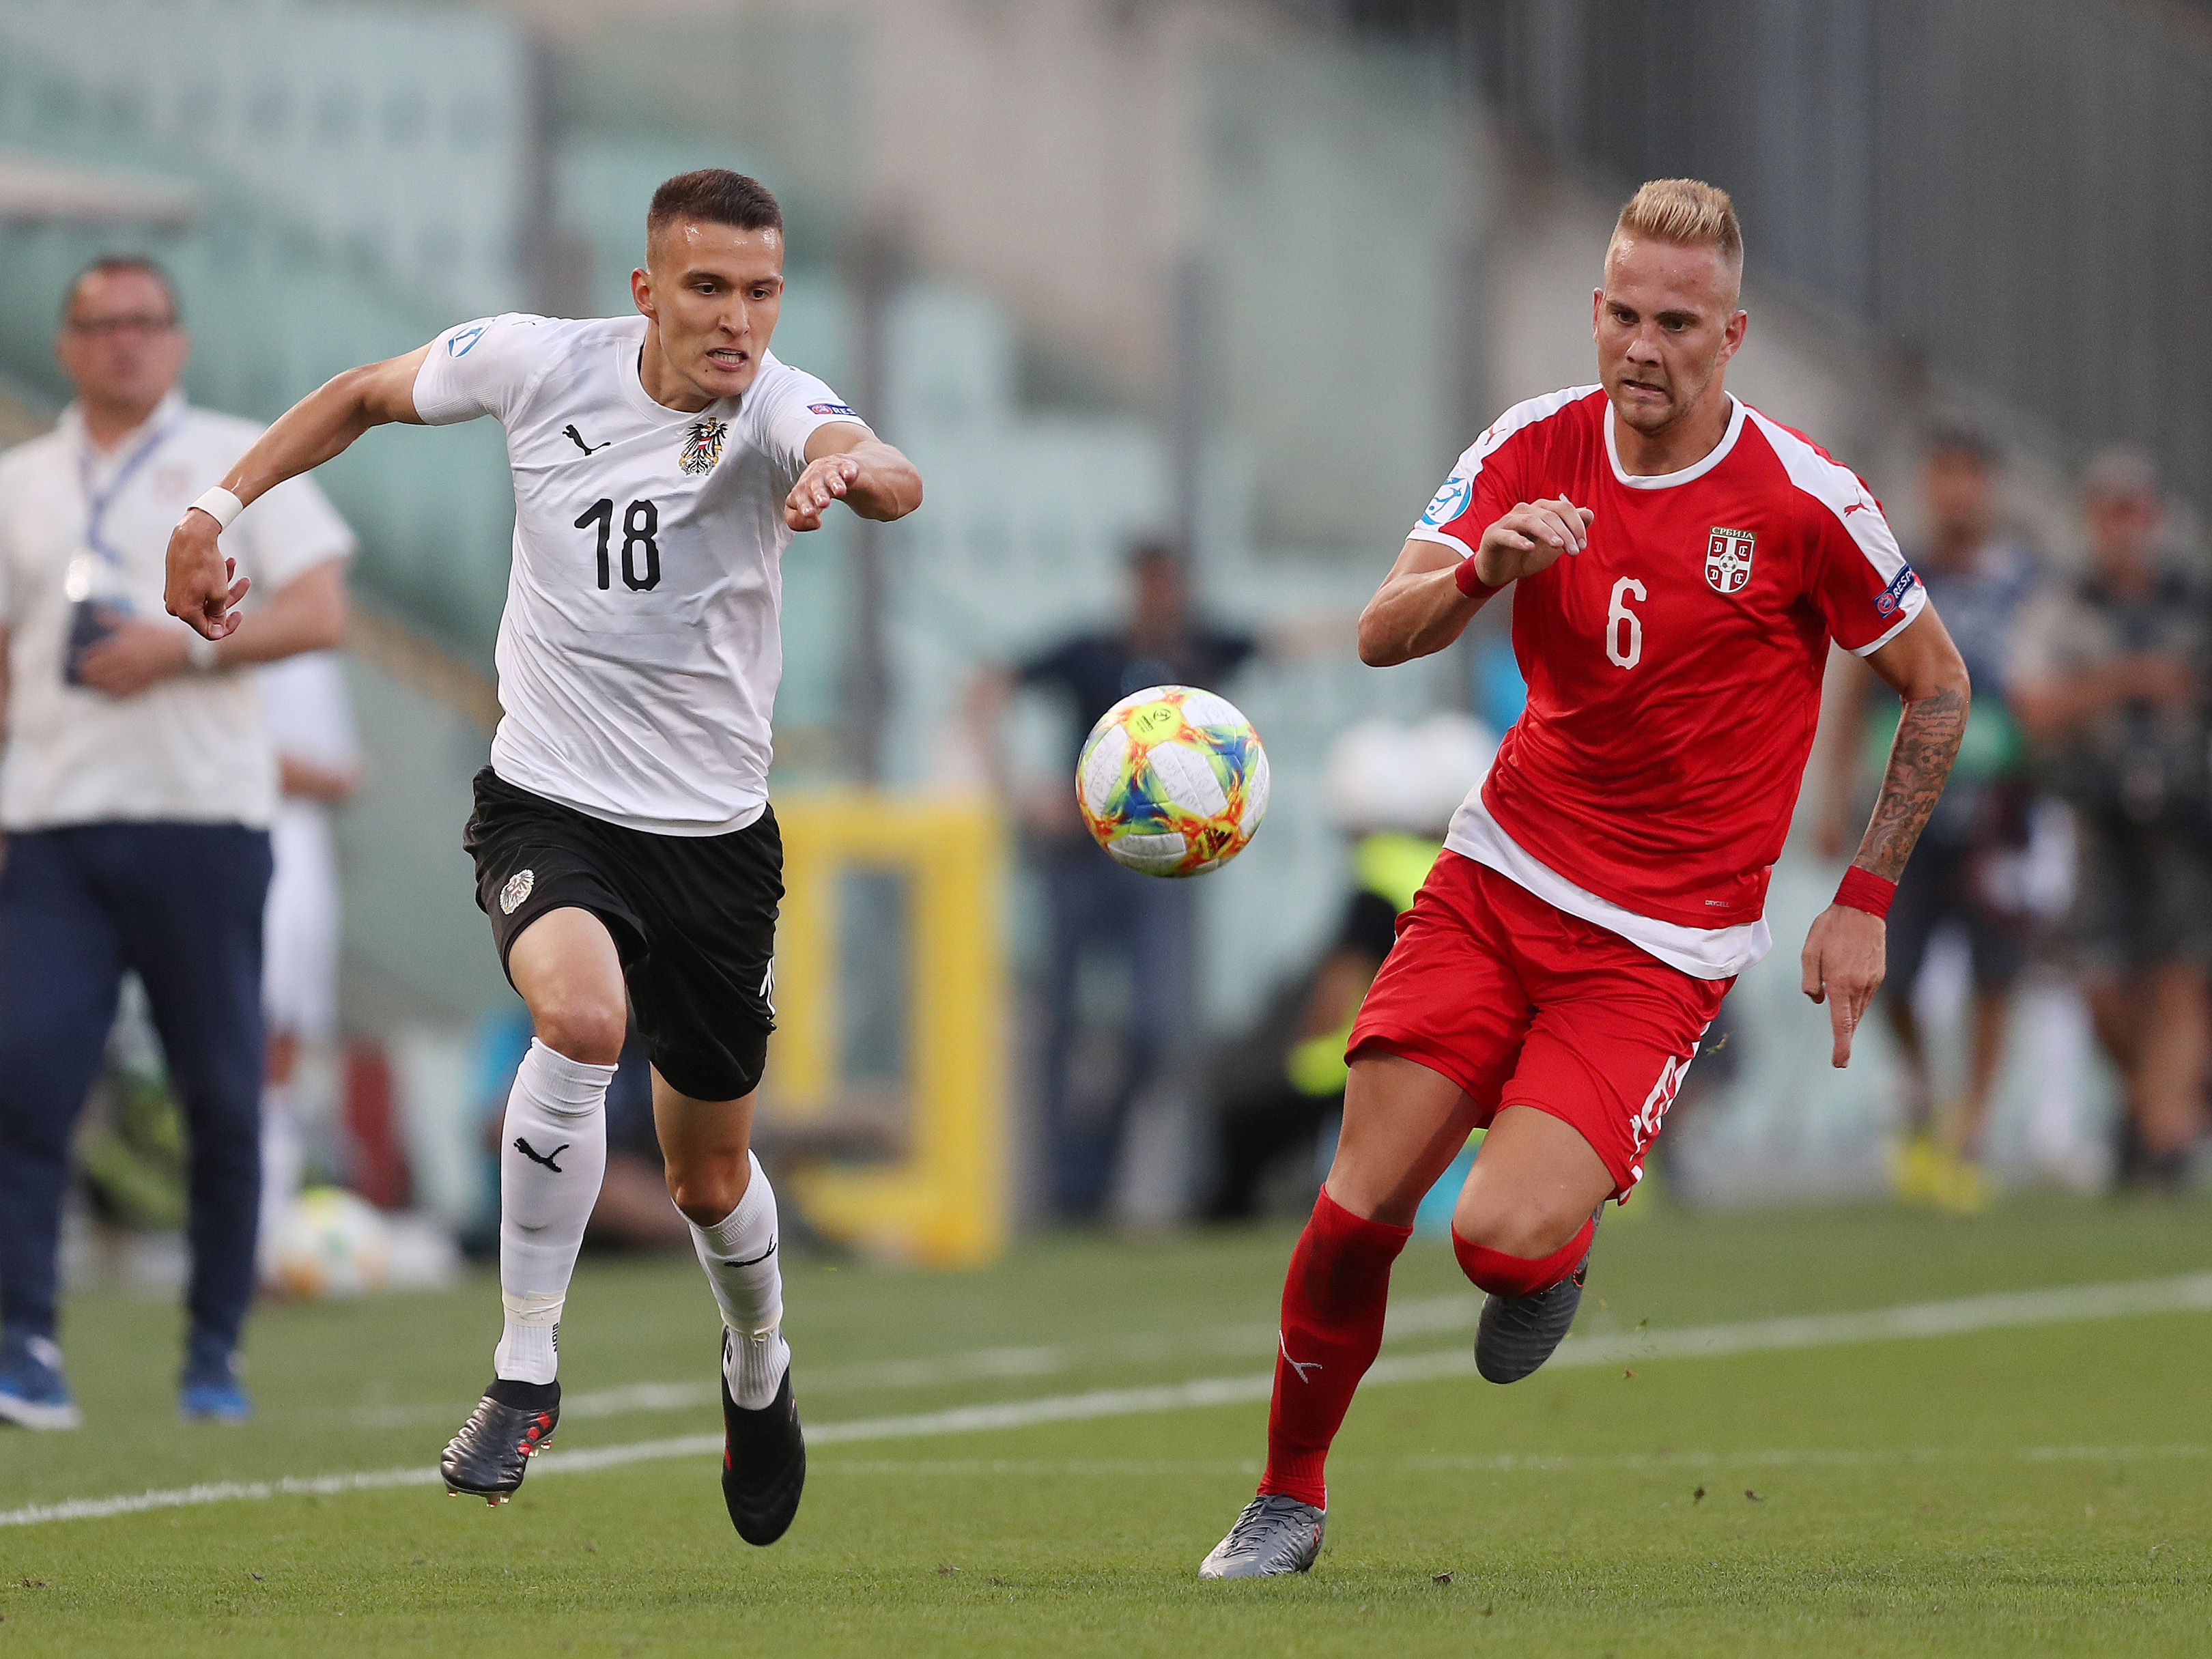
{"x":1674,"y":664}
{"x":1728,"y":559}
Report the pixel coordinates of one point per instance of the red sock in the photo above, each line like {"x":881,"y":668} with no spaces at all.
{"x":1520,"y":1275}
{"x":1333,"y":1300}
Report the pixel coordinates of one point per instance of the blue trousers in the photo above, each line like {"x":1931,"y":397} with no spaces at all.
{"x":1142,"y":926}
{"x":180,"y":905}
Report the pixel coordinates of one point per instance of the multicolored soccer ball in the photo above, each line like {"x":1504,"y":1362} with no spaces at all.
{"x":1173,"y":781}
{"x":332,"y":1245}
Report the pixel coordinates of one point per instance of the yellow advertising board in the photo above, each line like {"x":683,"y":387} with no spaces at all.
{"x":945,"y":1201}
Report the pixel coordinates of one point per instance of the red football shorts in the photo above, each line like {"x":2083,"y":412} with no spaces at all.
{"x":1522,"y":1004}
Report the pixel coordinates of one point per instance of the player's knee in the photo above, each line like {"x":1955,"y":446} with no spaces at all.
{"x":582,"y":1026}
{"x":706,"y":1190}
{"x":1520,"y":1229}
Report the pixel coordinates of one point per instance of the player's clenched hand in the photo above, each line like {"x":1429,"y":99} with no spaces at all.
{"x":824,"y":482}
{"x":1845,"y":956}
{"x":200,"y":586}
{"x":1529,"y":538}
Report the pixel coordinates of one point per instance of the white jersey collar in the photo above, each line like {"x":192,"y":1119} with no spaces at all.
{"x":1712,"y":458}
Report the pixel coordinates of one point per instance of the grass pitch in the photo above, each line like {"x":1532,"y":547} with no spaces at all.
{"x":2044,"y":1487}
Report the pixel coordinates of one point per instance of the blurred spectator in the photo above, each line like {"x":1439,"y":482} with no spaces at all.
{"x":2106,"y":677}
{"x":1140,"y":925}
{"x":1980,"y":579}
{"x":309,"y":720}
{"x":1394,"y":789}
{"x":137,"y":791}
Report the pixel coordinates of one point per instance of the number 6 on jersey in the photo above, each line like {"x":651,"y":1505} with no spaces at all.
{"x":1624,"y":629}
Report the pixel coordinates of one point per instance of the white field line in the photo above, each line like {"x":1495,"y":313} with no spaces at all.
{"x":1425,"y":1316}
{"x":2189,"y":1294}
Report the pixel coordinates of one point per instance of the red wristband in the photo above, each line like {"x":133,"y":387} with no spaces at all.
{"x":1468,"y":580}
{"x":1863,"y":889}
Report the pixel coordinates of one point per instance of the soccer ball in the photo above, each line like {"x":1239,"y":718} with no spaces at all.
{"x":331,"y":1244}
{"x":1173,"y":781}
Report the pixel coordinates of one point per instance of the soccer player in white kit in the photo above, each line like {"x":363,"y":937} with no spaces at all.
{"x":622,"y":833}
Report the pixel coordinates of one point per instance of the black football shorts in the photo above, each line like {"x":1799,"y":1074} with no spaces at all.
{"x":693,"y":916}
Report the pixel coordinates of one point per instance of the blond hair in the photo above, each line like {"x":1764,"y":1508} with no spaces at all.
{"x":1686,"y":210}
{"x":1689,"y":213}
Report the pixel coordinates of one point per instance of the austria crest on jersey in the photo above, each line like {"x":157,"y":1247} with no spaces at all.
{"x":702,"y":447}
{"x":1728,"y":559}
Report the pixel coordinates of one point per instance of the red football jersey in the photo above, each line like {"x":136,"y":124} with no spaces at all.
{"x":1674,"y":664}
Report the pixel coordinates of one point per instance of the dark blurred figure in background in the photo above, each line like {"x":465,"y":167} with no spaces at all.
{"x":1140,"y":925}
{"x":2108,"y":678}
{"x":1394,"y":789}
{"x":1980,"y":578}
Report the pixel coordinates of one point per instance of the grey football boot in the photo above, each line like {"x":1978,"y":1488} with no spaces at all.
{"x":1275,"y":1534}
{"x":1518,"y":1333}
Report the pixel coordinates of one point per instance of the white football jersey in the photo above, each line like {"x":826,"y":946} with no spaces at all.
{"x":639,"y":649}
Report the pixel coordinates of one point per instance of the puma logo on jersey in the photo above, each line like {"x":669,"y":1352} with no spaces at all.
{"x":546,"y":1158}
{"x":702,"y":447}
{"x":1855,"y":506}
{"x":577,"y":439}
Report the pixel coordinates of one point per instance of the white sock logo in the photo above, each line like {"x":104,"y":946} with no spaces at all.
{"x":1283,"y":1343}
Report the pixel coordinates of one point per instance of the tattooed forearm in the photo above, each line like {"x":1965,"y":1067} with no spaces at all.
{"x":1919,"y":761}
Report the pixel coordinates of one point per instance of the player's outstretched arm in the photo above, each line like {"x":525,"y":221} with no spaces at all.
{"x":1425,"y":602}
{"x":1845,"y":953}
{"x":199,"y":588}
{"x":850,"y":464}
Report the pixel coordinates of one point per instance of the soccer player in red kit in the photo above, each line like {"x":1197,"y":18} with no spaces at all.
{"x":1682,"y":563}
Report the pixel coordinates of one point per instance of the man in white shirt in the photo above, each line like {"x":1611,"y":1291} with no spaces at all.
{"x":622,"y":834}
{"x":310,"y":722}
{"x":136,"y":792}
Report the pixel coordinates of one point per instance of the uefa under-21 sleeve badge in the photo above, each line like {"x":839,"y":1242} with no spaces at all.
{"x":1728,"y":559}
{"x":1448,"y":502}
{"x":702,"y":447}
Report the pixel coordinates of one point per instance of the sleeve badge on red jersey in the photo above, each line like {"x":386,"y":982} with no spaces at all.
{"x":1728,"y":559}
{"x":1893,"y":595}
{"x":1450,"y":502}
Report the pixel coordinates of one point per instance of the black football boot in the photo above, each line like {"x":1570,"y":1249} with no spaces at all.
{"x":763,"y":1460}
{"x":512,"y":1424}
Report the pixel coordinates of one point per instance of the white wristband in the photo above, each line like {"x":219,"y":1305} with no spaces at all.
{"x":220,"y":505}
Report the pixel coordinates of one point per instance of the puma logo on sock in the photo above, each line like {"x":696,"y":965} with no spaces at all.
{"x":546,"y":1158}
{"x":1301,"y":1368}
{"x":762,"y":1257}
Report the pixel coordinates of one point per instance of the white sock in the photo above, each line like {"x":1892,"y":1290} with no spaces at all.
{"x":546,"y":1197}
{"x":281,"y":1159}
{"x":740,"y":1252}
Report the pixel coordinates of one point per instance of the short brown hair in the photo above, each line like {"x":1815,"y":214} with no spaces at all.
{"x":117,"y":265}
{"x":716,"y":195}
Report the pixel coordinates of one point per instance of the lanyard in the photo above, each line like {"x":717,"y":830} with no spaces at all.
{"x":97,"y":502}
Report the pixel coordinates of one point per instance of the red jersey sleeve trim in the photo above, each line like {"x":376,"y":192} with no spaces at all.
{"x":1445,"y":521}
{"x":1895,"y":595}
